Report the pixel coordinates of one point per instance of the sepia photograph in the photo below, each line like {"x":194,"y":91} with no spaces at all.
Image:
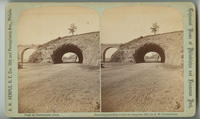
{"x":58,"y":60}
{"x":100,"y":59}
{"x":142,"y":59}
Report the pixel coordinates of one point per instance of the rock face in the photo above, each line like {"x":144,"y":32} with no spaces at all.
{"x":168,"y":45}
{"x":85,"y":46}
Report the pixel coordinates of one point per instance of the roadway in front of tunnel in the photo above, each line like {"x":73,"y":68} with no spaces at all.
{"x":142,"y":87}
{"x":57,"y":88}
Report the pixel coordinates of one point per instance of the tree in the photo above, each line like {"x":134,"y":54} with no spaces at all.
{"x":72,"y":29}
{"x":154,"y":28}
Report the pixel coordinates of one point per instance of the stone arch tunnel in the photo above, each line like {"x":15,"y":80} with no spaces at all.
{"x":150,"y":47}
{"x":59,"y":52}
{"x":22,"y":49}
{"x":168,"y":45}
{"x":85,"y":46}
{"x":105,"y":47}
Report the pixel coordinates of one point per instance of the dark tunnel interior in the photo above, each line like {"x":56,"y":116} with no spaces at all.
{"x":59,"y":52}
{"x":140,"y":52}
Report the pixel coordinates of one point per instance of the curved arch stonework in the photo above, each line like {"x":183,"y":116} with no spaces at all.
{"x":168,"y":45}
{"x":59,"y":52}
{"x":86,"y":46}
{"x":22,"y":49}
{"x":148,"y":47}
{"x":105,"y":47}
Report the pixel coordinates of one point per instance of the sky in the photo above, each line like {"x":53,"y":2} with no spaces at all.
{"x":118,"y":24}
{"x":123,"y":24}
{"x":40,"y":25}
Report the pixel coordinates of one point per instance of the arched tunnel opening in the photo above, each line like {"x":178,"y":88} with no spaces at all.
{"x":107,"y":54}
{"x":70,"y":57}
{"x":152,"y":57}
{"x":25,"y":55}
{"x":141,"y":52}
{"x":60,"y":52}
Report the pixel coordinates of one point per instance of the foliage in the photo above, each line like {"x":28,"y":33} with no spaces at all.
{"x":72,"y":29}
{"x":154,"y":28}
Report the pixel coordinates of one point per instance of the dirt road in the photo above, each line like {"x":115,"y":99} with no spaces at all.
{"x":144,"y":87}
{"x":58,"y":88}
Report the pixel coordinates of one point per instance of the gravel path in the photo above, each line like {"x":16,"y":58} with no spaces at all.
{"x":144,"y":87}
{"x":58,"y":88}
